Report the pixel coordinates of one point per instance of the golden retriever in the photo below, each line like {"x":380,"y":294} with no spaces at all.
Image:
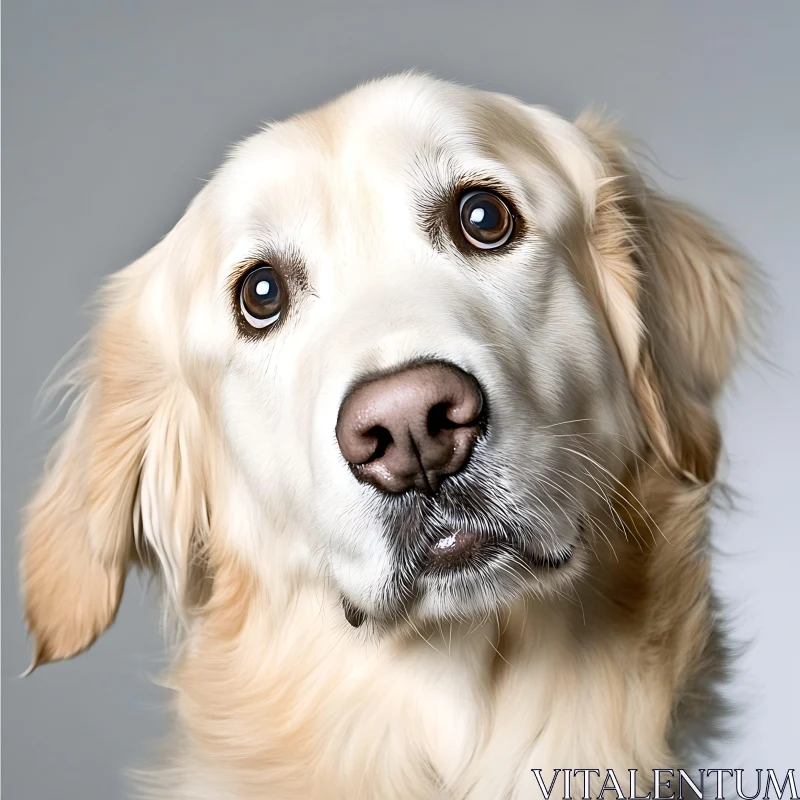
{"x":413,"y":413}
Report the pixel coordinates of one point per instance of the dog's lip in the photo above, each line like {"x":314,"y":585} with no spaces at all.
{"x":454,"y":548}
{"x":459,"y":548}
{"x":553,"y":561}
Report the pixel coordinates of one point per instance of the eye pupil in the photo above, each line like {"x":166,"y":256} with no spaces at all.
{"x":260,"y":297}
{"x":486,"y":221}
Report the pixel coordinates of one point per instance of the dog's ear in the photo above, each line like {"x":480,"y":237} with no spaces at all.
{"x":675,"y":292}
{"x":124,"y":483}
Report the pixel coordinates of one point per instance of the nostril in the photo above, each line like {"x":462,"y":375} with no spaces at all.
{"x":439,"y":420}
{"x":382,"y":439}
{"x":450,"y":415}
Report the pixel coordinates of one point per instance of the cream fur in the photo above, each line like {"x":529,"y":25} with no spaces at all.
{"x":211,"y":459}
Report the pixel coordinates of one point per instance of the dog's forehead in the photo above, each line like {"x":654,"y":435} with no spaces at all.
{"x":379,"y":123}
{"x":355,"y":151}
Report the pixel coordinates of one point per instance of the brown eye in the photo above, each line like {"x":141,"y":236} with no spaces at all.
{"x":261,"y":297}
{"x":486,"y":220}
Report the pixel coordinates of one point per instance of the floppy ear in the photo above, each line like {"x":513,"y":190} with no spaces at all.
{"x":122,"y":483}
{"x":675,"y":292}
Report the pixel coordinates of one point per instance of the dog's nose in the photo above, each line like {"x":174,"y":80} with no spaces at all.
{"x":409,"y":429}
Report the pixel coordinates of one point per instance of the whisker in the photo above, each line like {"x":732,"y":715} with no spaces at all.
{"x":613,"y":477}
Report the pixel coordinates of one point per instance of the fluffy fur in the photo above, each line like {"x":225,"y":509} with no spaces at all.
{"x":603,"y":338}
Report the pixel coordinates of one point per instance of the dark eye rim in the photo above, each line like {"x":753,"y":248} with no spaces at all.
{"x":464,"y":197}
{"x":237,"y":285}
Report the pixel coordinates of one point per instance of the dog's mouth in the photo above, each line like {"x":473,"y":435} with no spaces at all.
{"x":463,"y":547}
{"x":463,"y":563}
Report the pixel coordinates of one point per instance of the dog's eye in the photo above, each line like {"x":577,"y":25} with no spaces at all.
{"x":261,"y":296}
{"x":486,"y":220}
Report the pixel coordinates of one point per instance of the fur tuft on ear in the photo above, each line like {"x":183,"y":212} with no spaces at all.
{"x":674,"y":291}
{"x":121,"y":485}
{"x":71,"y":591}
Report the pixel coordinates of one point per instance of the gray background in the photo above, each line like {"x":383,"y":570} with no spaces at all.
{"x":114,"y":113}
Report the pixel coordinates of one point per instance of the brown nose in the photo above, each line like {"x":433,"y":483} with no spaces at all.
{"x":409,"y":429}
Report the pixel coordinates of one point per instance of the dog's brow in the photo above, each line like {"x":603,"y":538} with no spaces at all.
{"x":438,"y":175}
{"x":286,"y":259}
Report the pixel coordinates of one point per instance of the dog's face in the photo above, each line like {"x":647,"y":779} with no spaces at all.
{"x":408,"y":354}
{"x":397,"y":344}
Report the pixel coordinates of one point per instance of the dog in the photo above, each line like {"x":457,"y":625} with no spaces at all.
{"x":412,"y":413}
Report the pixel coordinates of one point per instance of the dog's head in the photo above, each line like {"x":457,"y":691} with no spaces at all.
{"x":406,"y":345}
